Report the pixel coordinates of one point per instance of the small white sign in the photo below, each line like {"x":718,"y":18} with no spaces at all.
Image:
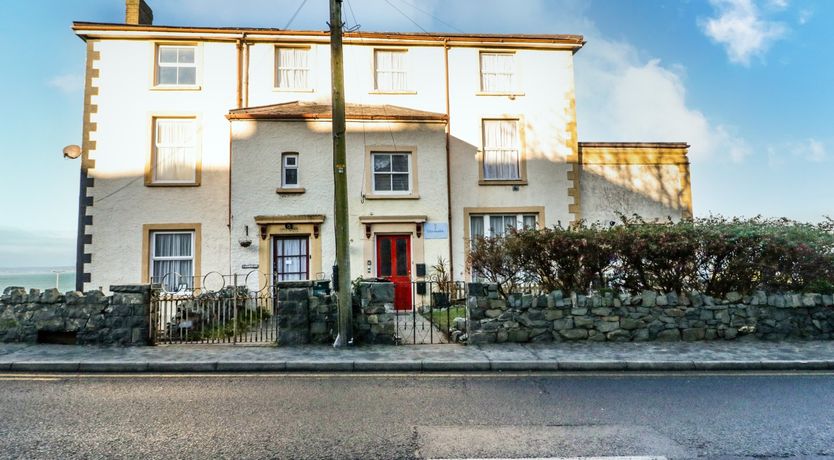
{"x":249,"y":266}
{"x":436,"y":230}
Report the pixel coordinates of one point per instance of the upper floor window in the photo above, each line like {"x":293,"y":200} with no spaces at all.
{"x":176,"y":66}
{"x":174,"y":159}
{"x":502,"y":154}
{"x":390,"y":70}
{"x":289,"y":166}
{"x":391,"y":172}
{"x":292,"y":68}
{"x":497,"y":72}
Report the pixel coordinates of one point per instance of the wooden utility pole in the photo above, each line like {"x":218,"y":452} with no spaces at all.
{"x":340,"y":202}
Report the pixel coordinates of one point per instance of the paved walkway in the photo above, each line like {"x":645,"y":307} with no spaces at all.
{"x":414,"y":329}
{"x":653,"y":356}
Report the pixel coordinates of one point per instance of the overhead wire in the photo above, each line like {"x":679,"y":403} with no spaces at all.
{"x":297,"y":10}
{"x":406,"y":16}
{"x":356,"y":24}
{"x":432,"y":15}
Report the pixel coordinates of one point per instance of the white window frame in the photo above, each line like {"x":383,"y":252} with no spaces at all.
{"x":410,"y":172}
{"x":156,"y":146}
{"x":517,"y":148}
{"x":154,"y":258}
{"x":285,"y":166}
{"x":403,"y":71}
{"x":488,"y":230}
{"x":513,"y":73}
{"x":308,"y":86}
{"x":177,"y":65}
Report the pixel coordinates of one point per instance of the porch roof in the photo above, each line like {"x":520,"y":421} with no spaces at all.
{"x":315,"y":111}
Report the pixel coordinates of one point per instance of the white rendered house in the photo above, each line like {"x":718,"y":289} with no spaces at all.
{"x":209,"y":150}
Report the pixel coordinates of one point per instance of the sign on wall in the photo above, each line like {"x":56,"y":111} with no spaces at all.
{"x":436,"y":230}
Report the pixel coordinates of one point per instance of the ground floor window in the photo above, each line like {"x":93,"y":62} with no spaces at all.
{"x":291,"y":255}
{"x":172,"y":259}
{"x":490,"y":225}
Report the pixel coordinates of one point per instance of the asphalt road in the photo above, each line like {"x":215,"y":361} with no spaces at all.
{"x":417,"y":416}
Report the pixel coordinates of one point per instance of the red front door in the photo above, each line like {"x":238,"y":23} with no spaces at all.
{"x":393,"y":261}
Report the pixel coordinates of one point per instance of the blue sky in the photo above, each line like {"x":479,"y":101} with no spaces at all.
{"x":748,"y":83}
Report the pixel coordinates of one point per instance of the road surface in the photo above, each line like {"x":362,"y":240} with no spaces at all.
{"x":368,"y":416}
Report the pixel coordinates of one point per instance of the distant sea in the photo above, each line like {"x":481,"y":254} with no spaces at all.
{"x":38,"y":277}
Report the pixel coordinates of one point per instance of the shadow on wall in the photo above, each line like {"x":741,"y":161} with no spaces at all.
{"x":653,"y":192}
{"x":595,"y":182}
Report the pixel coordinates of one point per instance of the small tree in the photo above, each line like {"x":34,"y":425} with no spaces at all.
{"x":491,"y":259}
{"x":445,"y":285}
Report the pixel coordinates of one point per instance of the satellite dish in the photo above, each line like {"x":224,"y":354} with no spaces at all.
{"x":72,"y":152}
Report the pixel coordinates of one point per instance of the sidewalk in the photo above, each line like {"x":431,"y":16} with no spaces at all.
{"x":633,"y":356}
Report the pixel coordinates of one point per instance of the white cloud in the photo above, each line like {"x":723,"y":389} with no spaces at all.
{"x":625,"y":97}
{"x":67,"y":83}
{"x":740,"y":26}
{"x":811,"y":150}
{"x":804,"y":16}
{"x":778,"y":4}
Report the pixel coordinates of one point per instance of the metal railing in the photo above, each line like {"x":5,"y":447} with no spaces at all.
{"x":230,"y":312}
{"x":436,"y":314}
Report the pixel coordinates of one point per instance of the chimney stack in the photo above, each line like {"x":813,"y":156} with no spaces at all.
{"x":138,"y":12}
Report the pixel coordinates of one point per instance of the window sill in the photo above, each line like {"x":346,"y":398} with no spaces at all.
{"x":391,"y":92}
{"x":502,"y":182}
{"x":177,"y":88}
{"x":290,"y":191}
{"x":411,"y":196}
{"x":293,"y":90}
{"x":172,"y":184}
{"x":507,"y":94}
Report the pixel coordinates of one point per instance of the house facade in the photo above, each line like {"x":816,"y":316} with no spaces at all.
{"x":207,"y":151}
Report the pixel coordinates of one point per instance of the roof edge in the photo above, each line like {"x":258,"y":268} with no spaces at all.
{"x":307,"y":117}
{"x":572,"y":40}
{"x":660,"y":145}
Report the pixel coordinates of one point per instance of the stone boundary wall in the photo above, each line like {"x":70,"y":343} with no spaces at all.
{"x":649,"y":316}
{"x":373,"y":314}
{"x":306,"y":314}
{"x":89,"y":318}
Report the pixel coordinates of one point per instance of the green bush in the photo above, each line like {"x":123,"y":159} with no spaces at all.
{"x":712,"y":255}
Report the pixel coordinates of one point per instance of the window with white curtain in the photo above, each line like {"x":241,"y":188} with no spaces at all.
{"x":175,"y":151}
{"x":390,"y":70}
{"x":391,"y":172}
{"x":497,"y":72}
{"x":502,"y":154}
{"x":292,"y":68}
{"x":492,"y":225}
{"x":176,"y":66}
{"x":172,"y":259}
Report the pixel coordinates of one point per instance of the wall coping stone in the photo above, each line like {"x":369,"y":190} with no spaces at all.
{"x":130,"y":288}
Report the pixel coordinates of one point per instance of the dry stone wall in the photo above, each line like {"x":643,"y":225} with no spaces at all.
{"x":89,"y":318}
{"x":648,"y":316}
{"x":373,"y":314}
{"x":306,"y":313}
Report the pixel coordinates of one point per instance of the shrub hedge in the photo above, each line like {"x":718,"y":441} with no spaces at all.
{"x":713,"y":255}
